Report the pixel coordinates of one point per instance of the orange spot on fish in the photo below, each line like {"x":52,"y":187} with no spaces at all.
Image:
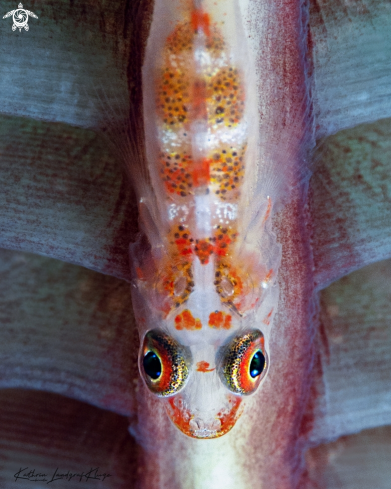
{"x":204,"y":367}
{"x":200,"y":20}
{"x":201,"y":173}
{"x":185,"y":320}
{"x":220,"y":320}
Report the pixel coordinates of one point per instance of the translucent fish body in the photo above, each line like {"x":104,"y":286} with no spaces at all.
{"x":205,"y":270}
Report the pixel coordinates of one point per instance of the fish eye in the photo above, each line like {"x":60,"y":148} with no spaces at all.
{"x":164,"y":363}
{"x":152,"y":365}
{"x":244,"y":362}
{"x":257,"y":364}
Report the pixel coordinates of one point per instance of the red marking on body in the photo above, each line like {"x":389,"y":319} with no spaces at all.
{"x":228,"y":419}
{"x":169,"y":286}
{"x":184,"y":246}
{"x":268,"y":275}
{"x":200,"y":20}
{"x":203,"y":249}
{"x":254,"y":303}
{"x":199,"y":101}
{"x":174,"y":178}
{"x":268,"y":210}
{"x":181,"y":416}
{"x":222,"y":245}
{"x":140,"y":274}
{"x":201,"y":173}
{"x":267,"y":318}
{"x":204,"y":367}
{"x":185,"y":320}
{"x":220,"y":320}
{"x":237,"y":280}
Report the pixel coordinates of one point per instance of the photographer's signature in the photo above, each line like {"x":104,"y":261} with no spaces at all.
{"x":33,"y":476}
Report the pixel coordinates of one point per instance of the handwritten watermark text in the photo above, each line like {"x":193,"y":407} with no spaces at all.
{"x":32,"y":475}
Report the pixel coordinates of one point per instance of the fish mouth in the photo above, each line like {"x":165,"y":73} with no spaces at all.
{"x":204,"y":425}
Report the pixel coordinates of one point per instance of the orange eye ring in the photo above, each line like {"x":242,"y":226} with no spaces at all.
{"x":244,"y":362}
{"x":163,"y":363}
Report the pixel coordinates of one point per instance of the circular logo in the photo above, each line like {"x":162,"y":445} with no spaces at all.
{"x":20,"y":18}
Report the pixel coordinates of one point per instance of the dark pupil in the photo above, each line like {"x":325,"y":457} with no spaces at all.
{"x":152,"y":365}
{"x":257,"y":364}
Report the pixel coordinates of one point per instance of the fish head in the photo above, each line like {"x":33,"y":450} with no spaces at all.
{"x":203,"y":381}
